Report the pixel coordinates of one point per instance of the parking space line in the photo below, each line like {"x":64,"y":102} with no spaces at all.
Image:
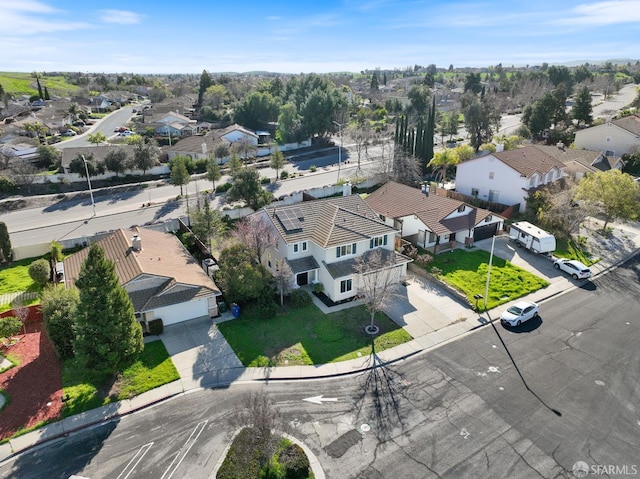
{"x":131,"y":465}
{"x":193,"y":437}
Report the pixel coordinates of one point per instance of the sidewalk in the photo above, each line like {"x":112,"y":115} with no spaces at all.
{"x":434,"y":318}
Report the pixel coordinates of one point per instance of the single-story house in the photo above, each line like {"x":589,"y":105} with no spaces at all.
{"x":161,"y":277}
{"x":615,"y":137}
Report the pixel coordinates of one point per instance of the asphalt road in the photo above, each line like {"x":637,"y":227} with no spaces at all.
{"x":461,"y":411}
{"x":109,"y":123}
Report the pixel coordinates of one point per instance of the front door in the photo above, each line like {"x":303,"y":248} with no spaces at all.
{"x":302,"y":279}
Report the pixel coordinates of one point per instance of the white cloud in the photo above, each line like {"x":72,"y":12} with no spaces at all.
{"x":27,"y":19}
{"x":603,"y":13}
{"x":122,"y":17}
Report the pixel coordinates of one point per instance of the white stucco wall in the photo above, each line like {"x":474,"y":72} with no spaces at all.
{"x":506,"y":182}
{"x":606,"y":137}
{"x":182,"y":312}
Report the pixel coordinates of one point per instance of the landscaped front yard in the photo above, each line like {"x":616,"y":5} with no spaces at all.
{"x":307,"y":336}
{"x":466,"y":270}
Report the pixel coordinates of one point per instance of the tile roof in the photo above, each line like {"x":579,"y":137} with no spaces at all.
{"x":162,"y":255}
{"x":528,"y":160}
{"x":329,"y":221}
{"x":397,"y":200}
{"x":630,"y":123}
{"x":99,"y":152}
{"x":211,"y":139}
{"x":566,"y":155}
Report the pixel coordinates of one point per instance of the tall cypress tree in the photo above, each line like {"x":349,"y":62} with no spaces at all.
{"x":5,"y":244}
{"x":430,"y":131}
{"x":108,"y":337}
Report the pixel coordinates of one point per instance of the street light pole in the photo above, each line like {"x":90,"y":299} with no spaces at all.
{"x":86,"y":169}
{"x":339,"y":149}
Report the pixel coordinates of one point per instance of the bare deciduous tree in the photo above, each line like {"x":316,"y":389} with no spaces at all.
{"x":378,"y":274}
{"x":256,"y":232}
{"x":24,"y":173}
{"x":282,"y":276}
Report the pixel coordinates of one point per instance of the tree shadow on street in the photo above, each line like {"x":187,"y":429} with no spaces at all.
{"x":383,"y":386}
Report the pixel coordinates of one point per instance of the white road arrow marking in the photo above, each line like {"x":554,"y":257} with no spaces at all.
{"x":319,"y":399}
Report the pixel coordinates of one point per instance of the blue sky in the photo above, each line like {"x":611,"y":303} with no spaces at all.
{"x":300,"y":36}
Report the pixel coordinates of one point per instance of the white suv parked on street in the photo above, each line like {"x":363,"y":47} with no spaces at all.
{"x":573,"y":267}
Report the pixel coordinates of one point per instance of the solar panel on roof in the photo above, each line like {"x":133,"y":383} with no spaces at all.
{"x":289,"y":219}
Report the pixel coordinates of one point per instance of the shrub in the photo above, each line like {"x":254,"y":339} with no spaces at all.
{"x":266,"y":307}
{"x":9,"y":326}
{"x":6,"y":185}
{"x":224,"y":187}
{"x":284,"y":175}
{"x":313,"y":168}
{"x":265,"y":181}
{"x":58,"y":311}
{"x":300,"y":298}
{"x":318,"y":287}
{"x":40,"y":272}
{"x":295,"y":462}
{"x":201,"y":165}
{"x":156,"y":327}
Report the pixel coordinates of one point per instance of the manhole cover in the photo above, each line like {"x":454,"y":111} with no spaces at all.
{"x":365,"y":428}
{"x":599,"y":383}
{"x":493,"y":369}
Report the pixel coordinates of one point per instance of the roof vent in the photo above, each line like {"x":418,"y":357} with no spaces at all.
{"x":136,"y":243}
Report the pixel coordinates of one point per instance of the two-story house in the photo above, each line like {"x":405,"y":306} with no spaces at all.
{"x":615,"y":138}
{"x":506,"y":177}
{"x":323,"y":240}
{"x":578,"y":163}
{"x":429,"y":220}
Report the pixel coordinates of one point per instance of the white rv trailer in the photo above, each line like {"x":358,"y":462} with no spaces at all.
{"x":531,"y":237}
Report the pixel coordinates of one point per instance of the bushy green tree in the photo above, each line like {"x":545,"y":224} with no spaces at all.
{"x":47,"y":156}
{"x":116,"y":161}
{"x":40,"y":271}
{"x":146,"y":153}
{"x":108,"y":337}
{"x":58,"y":312}
{"x":582,"y":109}
{"x":208,"y":224}
{"x":179,"y":172}
{"x":614,"y":192}
{"x":9,"y":326}
{"x":240,"y":277}
{"x":277,"y":161}
{"x":247,"y":187}
{"x":213,"y":171}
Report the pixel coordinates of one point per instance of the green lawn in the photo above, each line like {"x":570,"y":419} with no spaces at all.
{"x":86,"y":391}
{"x":570,"y":250}
{"x":467,"y":272}
{"x":23,"y":83}
{"x":15,"y":277}
{"x":306,"y":336}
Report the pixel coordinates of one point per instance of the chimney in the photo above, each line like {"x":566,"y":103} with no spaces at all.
{"x":499,"y":147}
{"x":346,"y":189}
{"x":425,"y":189}
{"x":560,"y":145}
{"x":204,"y":148}
{"x":136,"y":243}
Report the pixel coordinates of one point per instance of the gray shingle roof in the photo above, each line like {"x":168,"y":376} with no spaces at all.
{"x":300,"y":265}
{"x":352,"y":266}
{"x":630,"y":123}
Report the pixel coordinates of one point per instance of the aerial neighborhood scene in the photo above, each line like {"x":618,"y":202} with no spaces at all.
{"x":359,"y":239}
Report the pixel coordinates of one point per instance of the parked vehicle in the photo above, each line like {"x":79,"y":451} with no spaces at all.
{"x":529,"y":236}
{"x":127,"y":133}
{"x":519,"y":313}
{"x":69,"y":133}
{"x":573,"y":267}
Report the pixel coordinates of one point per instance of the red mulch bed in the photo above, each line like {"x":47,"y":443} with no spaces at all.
{"x":34,"y":386}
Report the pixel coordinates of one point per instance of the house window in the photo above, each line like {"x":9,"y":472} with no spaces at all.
{"x":378,"y":241}
{"x":383,"y":218}
{"x":297,"y":247}
{"x":494,"y":195}
{"x":609,"y":153}
{"x":346,"y":285}
{"x":461,"y":209}
{"x":345,"y":250}
{"x":269,"y":260}
{"x":475,"y":192}
{"x":489,"y":218}
{"x":432,"y":237}
{"x":491,"y":175}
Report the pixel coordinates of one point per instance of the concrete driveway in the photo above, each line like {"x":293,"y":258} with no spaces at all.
{"x":201,"y":354}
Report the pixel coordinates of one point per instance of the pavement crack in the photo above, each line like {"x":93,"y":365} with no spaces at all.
{"x":417,"y":461}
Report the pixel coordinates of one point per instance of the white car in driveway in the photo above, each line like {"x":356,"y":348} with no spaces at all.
{"x":519,"y":313}
{"x":573,"y":267}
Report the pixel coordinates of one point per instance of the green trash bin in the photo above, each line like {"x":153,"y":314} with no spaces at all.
{"x":222,"y":307}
